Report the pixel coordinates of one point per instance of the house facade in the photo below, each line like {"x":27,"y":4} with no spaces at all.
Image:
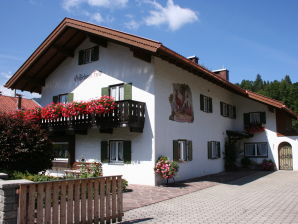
{"x":168,"y":105}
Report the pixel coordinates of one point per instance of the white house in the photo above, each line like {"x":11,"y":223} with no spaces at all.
{"x":170,"y":105}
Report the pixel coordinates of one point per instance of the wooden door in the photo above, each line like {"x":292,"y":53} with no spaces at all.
{"x":285,"y":157}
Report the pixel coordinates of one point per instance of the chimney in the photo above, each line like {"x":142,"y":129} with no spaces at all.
{"x":19,"y":103}
{"x":223,"y":73}
{"x":194,"y":59}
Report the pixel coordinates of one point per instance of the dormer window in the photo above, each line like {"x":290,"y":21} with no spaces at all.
{"x":88,"y":55}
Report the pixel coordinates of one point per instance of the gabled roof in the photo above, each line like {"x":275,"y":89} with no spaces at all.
{"x":70,"y":33}
{"x":9,"y":104}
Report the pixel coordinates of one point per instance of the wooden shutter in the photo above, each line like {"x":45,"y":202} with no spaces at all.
{"x":221,"y":108}
{"x":210,"y":109}
{"x":127,"y":151}
{"x":246,"y":119}
{"x":176,"y":151}
{"x":202,"y":102}
{"x":234,"y":112}
{"x":95,"y":53}
{"x":81,"y":57}
{"x":189,"y":150}
{"x":210,"y":150}
{"x":263,"y":117}
{"x":105,"y":157}
{"x":105,"y":91}
{"x":218,"y":149}
{"x":69,"y":97}
{"x":55,"y":99}
{"x":128,"y":91}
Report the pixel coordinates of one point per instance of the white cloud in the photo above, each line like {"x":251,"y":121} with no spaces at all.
{"x":132,"y":24}
{"x":172,"y":15}
{"x":96,"y":17}
{"x":6,"y":92}
{"x":6,"y":75}
{"x":70,"y":4}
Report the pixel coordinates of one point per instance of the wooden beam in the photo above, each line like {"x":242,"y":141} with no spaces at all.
{"x":37,"y":81}
{"x":65,"y":51}
{"x":141,"y":54}
{"x":98,"y":40}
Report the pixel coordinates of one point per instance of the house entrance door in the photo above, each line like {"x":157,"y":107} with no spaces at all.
{"x":285,"y":157}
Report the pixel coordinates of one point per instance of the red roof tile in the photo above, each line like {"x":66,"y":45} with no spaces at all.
{"x":9,"y":104}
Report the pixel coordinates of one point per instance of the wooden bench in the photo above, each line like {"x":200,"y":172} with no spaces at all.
{"x":77,"y":168}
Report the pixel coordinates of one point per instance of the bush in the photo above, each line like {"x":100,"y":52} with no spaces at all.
{"x":24,"y":146}
{"x":14,"y":175}
{"x":268,"y":165}
{"x":165,"y":168}
{"x":124,"y":185}
{"x":246,"y":162}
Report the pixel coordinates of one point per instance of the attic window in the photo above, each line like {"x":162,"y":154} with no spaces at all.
{"x":88,"y":55}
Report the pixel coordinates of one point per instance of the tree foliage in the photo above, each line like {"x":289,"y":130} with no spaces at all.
{"x":283,"y":90}
{"x":24,"y":146}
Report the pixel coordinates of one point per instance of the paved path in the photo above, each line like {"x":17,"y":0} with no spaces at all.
{"x":259,"y":198}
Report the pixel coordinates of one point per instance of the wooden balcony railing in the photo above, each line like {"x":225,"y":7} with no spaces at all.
{"x":129,"y":113}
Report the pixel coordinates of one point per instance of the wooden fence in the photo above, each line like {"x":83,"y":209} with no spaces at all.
{"x":92,"y":200}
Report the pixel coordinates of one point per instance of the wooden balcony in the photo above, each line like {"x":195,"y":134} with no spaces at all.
{"x":129,"y":113}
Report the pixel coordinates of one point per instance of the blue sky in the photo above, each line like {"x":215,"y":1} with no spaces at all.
{"x":247,"y":37}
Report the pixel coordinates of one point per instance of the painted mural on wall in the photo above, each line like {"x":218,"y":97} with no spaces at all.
{"x":181,"y":103}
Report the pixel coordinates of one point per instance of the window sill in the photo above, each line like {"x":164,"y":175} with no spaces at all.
{"x":116,"y":163}
{"x":256,"y":156}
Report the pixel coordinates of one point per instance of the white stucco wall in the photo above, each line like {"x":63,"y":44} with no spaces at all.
{"x":116,"y":65}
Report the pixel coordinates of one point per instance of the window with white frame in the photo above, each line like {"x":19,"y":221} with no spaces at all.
{"x":259,"y":149}
{"x":214,"y":150}
{"x":182,"y":150}
{"x":63,"y":98}
{"x":227,"y":110}
{"x":61,"y":151}
{"x":117,"y":92}
{"x":116,"y":152}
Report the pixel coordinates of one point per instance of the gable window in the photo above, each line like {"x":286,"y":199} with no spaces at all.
{"x":63,"y":98}
{"x":213,"y":150}
{"x":227,"y":110}
{"x":116,"y":151}
{"x":254,"y":119}
{"x":206,"y":103}
{"x":259,"y":149}
{"x":182,"y":150}
{"x":88,"y":55}
{"x":119,"y":92}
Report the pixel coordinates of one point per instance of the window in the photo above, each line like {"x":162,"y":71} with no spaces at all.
{"x":63,"y":98}
{"x":117,"y":92}
{"x":121,"y":91}
{"x":227,"y":110}
{"x":259,"y":149}
{"x":116,"y":151}
{"x":213,"y":150}
{"x":61,"y":151}
{"x":182,"y":150}
{"x":254,"y":119}
{"x":88,"y":55}
{"x":206,"y":103}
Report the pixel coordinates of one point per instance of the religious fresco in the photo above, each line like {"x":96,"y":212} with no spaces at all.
{"x":181,"y":103}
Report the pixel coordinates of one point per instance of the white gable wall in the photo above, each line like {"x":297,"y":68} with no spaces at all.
{"x":116,"y":65}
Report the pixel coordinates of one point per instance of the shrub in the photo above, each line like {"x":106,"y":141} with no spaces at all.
{"x":246,"y":162}
{"x":30,"y":176}
{"x":268,"y":165}
{"x":24,"y":146}
{"x":124,"y":185}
